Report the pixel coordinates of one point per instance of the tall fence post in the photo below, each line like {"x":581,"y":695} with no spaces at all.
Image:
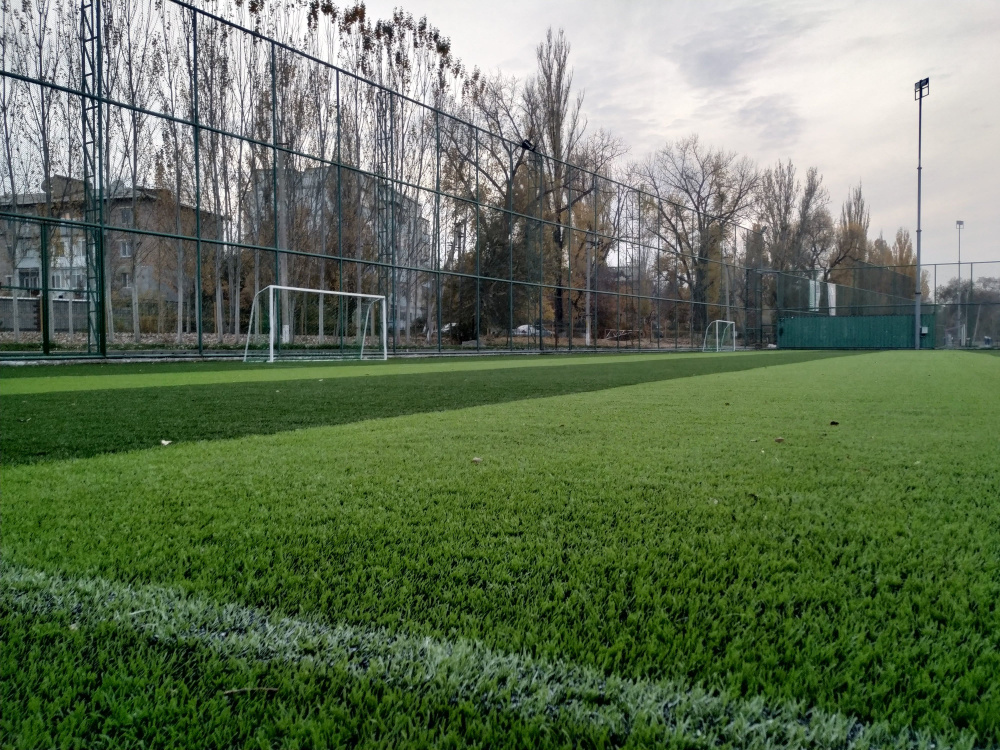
{"x":921,"y":89}
{"x":91,"y":110}
{"x":197,"y":179}
{"x":45,"y":310}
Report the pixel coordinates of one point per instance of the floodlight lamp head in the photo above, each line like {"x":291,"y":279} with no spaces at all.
{"x":527,"y":145}
{"x":921,"y":88}
{"x":959,"y":223}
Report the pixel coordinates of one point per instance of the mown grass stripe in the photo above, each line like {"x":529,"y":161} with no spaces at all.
{"x":118,"y":377}
{"x":52,"y":426}
{"x":494,"y":680}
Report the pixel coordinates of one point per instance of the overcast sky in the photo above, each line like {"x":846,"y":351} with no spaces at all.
{"x":825,"y":84}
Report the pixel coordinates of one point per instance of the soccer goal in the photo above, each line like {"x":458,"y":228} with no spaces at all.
{"x":720,"y":336}
{"x":288,"y":322}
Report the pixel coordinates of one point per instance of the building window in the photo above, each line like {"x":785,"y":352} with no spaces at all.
{"x":29,"y":279}
{"x":125,"y":248}
{"x":79,"y":281}
{"x":56,"y":280}
{"x":126,"y":279}
{"x":126,"y":216}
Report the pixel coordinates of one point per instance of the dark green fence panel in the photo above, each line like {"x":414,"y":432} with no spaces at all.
{"x":854,"y":332}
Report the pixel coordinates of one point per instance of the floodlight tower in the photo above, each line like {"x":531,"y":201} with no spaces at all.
{"x":920,"y":89}
{"x":958,"y":225}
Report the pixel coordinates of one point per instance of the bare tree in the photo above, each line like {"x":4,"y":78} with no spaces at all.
{"x":556,"y":116}
{"x":35,"y":123}
{"x":15,"y":162}
{"x":497,"y":163}
{"x":794,"y":214}
{"x":818,"y":238}
{"x":700,"y":194}
{"x":852,"y":232}
{"x":175,"y":153}
{"x":133,"y":77}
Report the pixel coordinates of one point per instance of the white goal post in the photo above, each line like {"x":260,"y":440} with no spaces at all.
{"x":280,"y":302}
{"x":720,"y":336}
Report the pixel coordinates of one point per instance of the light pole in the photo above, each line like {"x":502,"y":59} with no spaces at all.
{"x":920,"y":89}
{"x":961,"y":333}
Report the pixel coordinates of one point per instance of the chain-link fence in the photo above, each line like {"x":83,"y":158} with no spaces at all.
{"x":214,"y":159}
{"x":967,"y":298}
{"x":161,"y":165}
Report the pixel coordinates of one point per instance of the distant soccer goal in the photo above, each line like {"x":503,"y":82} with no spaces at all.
{"x":720,"y":336}
{"x":288,"y":323}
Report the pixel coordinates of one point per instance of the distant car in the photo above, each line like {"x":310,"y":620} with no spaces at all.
{"x":446,"y":329}
{"x":530,"y":330}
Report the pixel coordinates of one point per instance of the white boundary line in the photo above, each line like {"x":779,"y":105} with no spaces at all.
{"x":494,"y":680}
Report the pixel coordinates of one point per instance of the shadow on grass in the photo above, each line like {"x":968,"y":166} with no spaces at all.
{"x":55,"y":426}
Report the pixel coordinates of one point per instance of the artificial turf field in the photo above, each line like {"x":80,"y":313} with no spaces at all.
{"x":316,"y":560}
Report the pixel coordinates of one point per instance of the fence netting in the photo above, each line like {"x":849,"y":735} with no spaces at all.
{"x":162,"y":165}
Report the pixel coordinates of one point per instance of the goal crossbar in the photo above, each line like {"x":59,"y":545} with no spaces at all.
{"x":272,"y":310}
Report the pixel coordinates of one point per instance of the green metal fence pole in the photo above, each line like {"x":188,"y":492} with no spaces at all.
{"x":510,"y":250}
{"x":359,"y":268}
{"x":638,"y":263}
{"x":539,"y":243}
{"x":340,"y":226}
{"x":437,"y":222}
{"x":277,"y":323}
{"x":479,"y":280}
{"x":593,"y":281}
{"x":197,"y":179}
{"x":101,"y":245}
{"x":659,"y":291}
{"x":44,"y":317}
{"x":746,"y":306}
{"x":91,"y":111}
{"x":618,"y":293}
{"x":968,"y":305}
{"x":392,"y":219}
{"x":569,"y":253}
{"x":759,"y":275}
{"x":676,"y":309}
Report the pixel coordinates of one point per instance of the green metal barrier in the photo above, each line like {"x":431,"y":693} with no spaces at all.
{"x":853,"y":332}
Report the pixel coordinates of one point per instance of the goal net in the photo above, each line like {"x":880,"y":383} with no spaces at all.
{"x":288,"y":323}
{"x":720,"y":336}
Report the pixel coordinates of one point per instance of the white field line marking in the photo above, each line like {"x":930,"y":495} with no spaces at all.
{"x":463,"y":669}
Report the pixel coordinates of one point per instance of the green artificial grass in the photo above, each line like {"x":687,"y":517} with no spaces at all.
{"x":79,"y":423}
{"x":102,"y":686}
{"x":48,"y":378}
{"x":60,"y":371}
{"x":216,"y":670}
{"x":653,"y":532}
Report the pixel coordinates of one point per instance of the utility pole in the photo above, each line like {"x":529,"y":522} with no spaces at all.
{"x":920,"y":89}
